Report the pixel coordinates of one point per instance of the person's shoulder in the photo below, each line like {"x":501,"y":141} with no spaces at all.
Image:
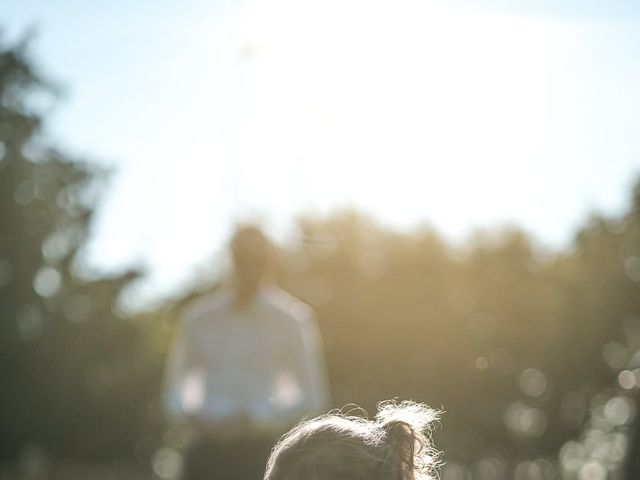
{"x":287,"y":306}
{"x":205,"y":308}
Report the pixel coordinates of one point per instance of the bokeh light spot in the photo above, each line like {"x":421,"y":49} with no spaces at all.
{"x":533,"y":382}
{"x":632,"y":268}
{"x":522,"y":419}
{"x":619,"y":410}
{"x":56,"y":246}
{"x":627,"y":379}
{"x":592,"y":470}
{"x":482,"y":363}
{"x":572,"y":455}
{"x":167,"y":463}
{"x":47,"y":282}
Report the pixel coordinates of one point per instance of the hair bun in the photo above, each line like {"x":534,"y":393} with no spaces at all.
{"x":402,"y":440}
{"x":398,"y":431}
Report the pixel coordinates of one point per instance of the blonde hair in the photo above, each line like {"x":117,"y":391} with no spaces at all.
{"x":395,"y":445}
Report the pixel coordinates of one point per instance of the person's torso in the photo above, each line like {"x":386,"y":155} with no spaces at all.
{"x":249,"y":358}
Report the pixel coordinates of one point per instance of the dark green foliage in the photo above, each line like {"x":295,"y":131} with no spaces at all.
{"x":74,"y":377}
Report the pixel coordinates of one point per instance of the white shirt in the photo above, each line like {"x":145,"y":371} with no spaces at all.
{"x":263,"y":361}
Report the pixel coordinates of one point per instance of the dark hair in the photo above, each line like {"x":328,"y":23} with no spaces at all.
{"x":249,"y":245}
{"x":395,"y":445}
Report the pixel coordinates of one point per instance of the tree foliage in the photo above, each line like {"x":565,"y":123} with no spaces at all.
{"x":74,"y":375}
{"x":518,"y":344}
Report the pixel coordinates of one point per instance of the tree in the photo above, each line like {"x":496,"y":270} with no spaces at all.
{"x":75,"y":377}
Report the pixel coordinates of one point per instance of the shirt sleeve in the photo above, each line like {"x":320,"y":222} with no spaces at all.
{"x":313,"y":368}
{"x":180,"y":362}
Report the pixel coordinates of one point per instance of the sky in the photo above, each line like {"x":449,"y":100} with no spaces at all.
{"x":459,"y":114}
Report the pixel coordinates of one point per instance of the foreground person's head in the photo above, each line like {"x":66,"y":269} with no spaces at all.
{"x":395,"y":445}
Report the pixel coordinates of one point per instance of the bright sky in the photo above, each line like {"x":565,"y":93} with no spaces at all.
{"x":456,"y":113}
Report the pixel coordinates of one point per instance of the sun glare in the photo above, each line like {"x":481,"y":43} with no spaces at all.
{"x":393,"y":107}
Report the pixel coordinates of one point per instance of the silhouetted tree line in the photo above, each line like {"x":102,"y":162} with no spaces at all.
{"x":75,"y":377}
{"x":519,"y":345}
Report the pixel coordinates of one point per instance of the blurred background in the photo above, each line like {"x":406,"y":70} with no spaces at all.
{"x":453,"y":186}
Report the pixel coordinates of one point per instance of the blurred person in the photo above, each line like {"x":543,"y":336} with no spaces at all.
{"x":245,"y":366}
{"x":393,"y":446}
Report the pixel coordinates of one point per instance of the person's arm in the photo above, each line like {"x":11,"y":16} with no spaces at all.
{"x":179,"y":364}
{"x":312,"y":366}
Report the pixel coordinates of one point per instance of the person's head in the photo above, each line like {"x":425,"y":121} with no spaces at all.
{"x":394,"y":445}
{"x":251,"y":254}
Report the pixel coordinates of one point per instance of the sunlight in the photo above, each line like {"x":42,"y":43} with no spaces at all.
{"x":401,"y":111}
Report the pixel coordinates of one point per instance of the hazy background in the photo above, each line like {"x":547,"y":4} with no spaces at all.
{"x":453,"y":186}
{"x":458,"y":114}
